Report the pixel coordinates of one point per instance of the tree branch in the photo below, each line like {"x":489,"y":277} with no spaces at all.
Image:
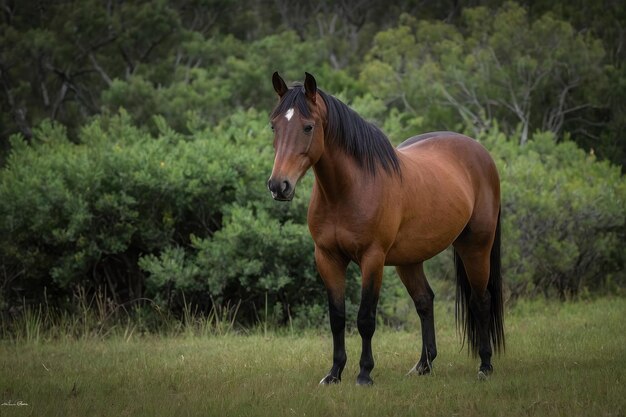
{"x":18,"y":113}
{"x":100,"y":70}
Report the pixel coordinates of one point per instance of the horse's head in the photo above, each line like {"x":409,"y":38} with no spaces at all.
{"x":298,"y":134}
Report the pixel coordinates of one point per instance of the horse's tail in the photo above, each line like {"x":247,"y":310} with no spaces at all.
{"x":465,"y":318}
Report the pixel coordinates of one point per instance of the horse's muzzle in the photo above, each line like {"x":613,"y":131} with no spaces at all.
{"x":281,"y":190}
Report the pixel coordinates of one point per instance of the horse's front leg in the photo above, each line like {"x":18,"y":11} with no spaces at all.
{"x":332,"y":269}
{"x":372,"y":265}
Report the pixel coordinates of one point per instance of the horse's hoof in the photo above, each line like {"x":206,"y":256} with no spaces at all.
{"x":420,"y":369}
{"x":424,"y":369}
{"x":329,"y":379}
{"x":364,"y":381}
{"x":484,"y":372}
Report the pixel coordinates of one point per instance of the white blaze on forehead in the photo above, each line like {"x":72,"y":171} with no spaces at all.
{"x":289,"y":114}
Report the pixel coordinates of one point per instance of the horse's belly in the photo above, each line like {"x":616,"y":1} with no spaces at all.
{"x":415,"y":250}
{"x":417,"y":241}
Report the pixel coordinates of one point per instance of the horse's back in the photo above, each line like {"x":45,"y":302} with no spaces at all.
{"x":412,"y":140}
{"x":449,"y":152}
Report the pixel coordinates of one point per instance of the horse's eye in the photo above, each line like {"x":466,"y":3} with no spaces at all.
{"x":308,"y":129}
{"x":272,"y":127}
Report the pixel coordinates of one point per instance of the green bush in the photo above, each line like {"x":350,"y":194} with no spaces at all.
{"x":564,"y":217}
{"x":183,"y":219}
{"x":83,"y":214}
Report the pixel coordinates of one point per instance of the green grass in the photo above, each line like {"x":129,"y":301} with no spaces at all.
{"x":561,"y":360}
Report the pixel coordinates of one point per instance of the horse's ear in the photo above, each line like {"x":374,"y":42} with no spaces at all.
{"x":279,"y":84}
{"x":310,"y":87}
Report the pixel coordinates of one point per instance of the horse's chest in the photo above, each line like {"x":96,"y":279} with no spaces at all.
{"x":350,"y":235}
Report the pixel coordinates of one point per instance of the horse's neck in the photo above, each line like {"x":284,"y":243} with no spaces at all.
{"x":337,"y":174}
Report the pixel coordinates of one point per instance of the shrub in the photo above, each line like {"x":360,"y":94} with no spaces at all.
{"x":563,"y":215}
{"x":186,"y":219}
{"x":83,"y":214}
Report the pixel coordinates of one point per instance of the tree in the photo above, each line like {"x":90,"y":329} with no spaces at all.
{"x":57,"y":57}
{"x":497,"y":65}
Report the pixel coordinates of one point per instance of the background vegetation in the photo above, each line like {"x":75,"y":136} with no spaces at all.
{"x":135,"y":143}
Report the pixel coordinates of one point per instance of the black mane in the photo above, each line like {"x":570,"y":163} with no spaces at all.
{"x":362,"y":140}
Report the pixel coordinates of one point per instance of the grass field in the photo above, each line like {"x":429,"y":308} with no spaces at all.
{"x":561,"y":360}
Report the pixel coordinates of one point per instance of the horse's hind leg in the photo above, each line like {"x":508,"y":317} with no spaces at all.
{"x":481,"y":308}
{"x":416,"y":284}
{"x":473,"y":262}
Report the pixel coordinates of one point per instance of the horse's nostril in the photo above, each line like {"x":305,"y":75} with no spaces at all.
{"x":280,"y":189}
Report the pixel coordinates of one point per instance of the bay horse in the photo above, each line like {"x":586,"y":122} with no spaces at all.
{"x":375,"y":205}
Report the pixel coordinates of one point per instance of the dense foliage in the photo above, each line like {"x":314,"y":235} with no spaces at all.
{"x":142,"y":147}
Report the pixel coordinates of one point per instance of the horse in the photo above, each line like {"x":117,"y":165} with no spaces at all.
{"x":376,"y":205}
